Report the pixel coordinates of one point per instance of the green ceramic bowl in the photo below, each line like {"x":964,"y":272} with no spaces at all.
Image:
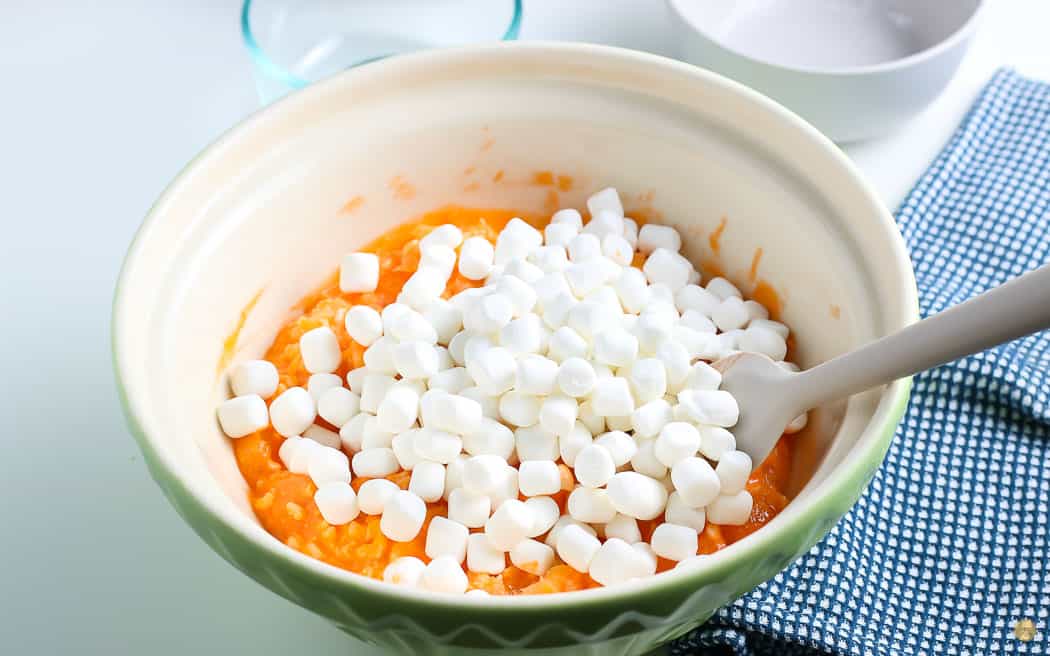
{"x":263,"y":215}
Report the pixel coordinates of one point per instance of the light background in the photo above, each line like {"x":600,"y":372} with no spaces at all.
{"x":103,"y":102}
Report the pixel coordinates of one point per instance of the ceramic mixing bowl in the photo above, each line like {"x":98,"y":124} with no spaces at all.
{"x":263,"y":215}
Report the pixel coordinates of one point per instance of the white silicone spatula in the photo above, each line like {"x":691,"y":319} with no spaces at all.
{"x":770,"y":396}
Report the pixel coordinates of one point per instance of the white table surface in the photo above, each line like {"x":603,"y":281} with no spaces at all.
{"x":104,"y":102}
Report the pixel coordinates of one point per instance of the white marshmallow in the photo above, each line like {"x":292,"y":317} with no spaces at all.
{"x":674,"y":542}
{"x":594,"y":422}
{"x":438,"y":258}
{"x":338,"y":405}
{"x":575,"y":377}
{"x":337,"y":502}
{"x":535,"y":443}
{"x":506,"y":487}
{"x":373,"y":463}
{"x":590,"y":505}
{"x":545,"y":513}
{"x":287,"y":450}
{"x":452,"y":413}
{"x":523,"y":335}
{"x":535,"y":375}
{"x":302,"y":454}
{"x":320,"y":351}
{"x":775,"y":326}
{"x":482,"y":474}
{"x":328,"y":466}
{"x":652,"y":331}
{"x":563,"y":521}
{"x":568,"y":216}
{"x":616,"y":348}
{"x":373,"y":495}
{"x":566,"y":343}
{"x":623,"y":528}
{"x":572,"y":443}
{"x":649,"y":419}
{"x":532,"y":556}
{"x":446,"y":537}
{"x":630,"y":231}
{"x":558,"y":414}
{"x":406,"y":571}
{"x":489,"y":314}
{"x":648,"y":380}
{"x":677,"y":441}
{"x":322,"y":436}
{"x":522,"y":270}
{"x":403,"y":516}
{"x":651,"y":237}
{"x":612,"y":397}
{"x":454,"y":474}
{"x":695,"y":481}
{"x":483,"y":557}
{"x":351,"y":434}
{"x":756,"y":311}
{"x":254,"y":377}
{"x":495,"y":370}
{"x":680,"y":512}
{"x":636,"y":495}
{"x":519,"y":409}
{"x":715,"y":441}
{"x":617,"y":562}
{"x":538,"y":477}
{"x":697,"y":299}
{"x":415,"y":360}
{"x":489,"y":404}
{"x":445,"y":318}
{"x":618,"y":249}
{"x":359,"y":272}
{"x":399,"y":409}
{"x":734,"y":469}
{"x":549,"y":286}
{"x":363,"y":324}
{"x":703,"y":376}
{"x":676,"y":363}
{"x":453,"y":380}
{"x":437,"y":445}
{"x":589,"y":275}
{"x":594,"y":466}
{"x":633,"y":290}
{"x":605,"y":223}
{"x":549,"y":259}
{"x":584,"y":247}
{"x":576,"y":547}
{"x":446,"y":235}
{"x":620,"y":446}
{"x":559,"y":234}
{"x":556,"y":309}
{"x":645,"y":460}
{"x":648,"y":558}
{"x":423,"y":287}
{"x":379,"y":357}
{"x":667,"y":267}
{"x":374,"y":390}
{"x":606,"y":200}
{"x":355,"y":379}
{"x":457,"y":347}
{"x":444,"y":574}
{"x":722,"y":288}
{"x":318,"y":384}
{"x":374,"y":437}
{"x":490,"y":438}
{"x":520,"y":293}
{"x":292,"y":412}
{"x":710,"y":407}
{"x":760,"y":339}
{"x":509,"y":524}
{"x":243,"y":415}
{"x":730,"y":314}
{"x":468,"y":508}
{"x":427,"y":481}
{"x":731,"y":509}
{"x":475,"y":258}
{"x":515,"y":241}
{"x":663,"y":296}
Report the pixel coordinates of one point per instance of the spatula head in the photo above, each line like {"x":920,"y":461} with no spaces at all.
{"x":763,"y":390}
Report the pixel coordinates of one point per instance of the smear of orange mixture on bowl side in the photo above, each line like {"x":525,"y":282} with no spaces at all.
{"x":284,"y":502}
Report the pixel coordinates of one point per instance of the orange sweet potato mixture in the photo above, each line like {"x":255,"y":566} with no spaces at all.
{"x":284,"y":502}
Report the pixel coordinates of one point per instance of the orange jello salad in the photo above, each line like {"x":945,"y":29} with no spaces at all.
{"x":483,"y":402}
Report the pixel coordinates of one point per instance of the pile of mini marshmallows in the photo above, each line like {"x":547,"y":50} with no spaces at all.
{"x":568,"y":354}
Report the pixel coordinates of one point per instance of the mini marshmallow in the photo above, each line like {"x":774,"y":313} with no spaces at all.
{"x":322,"y":436}
{"x":489,"y":314}
{"x":572,"y":443}
{"x":373,"y":463}
{"x":549,"y":286}
{"x":538,"y":477}
{"x":532,"y":556}
{"x":320,"y":351}
{"x":328,"y":466}
{"x":703,"y":376}
{"x":446,"y":537}
{"x":535,"y":443}
{"x":730,"y":314}
{"x":566,"y":343}
{"x":436,"y":445}
{"x":650,"y":419}
{"x":623,"y":528}
{"x":559,"y":234}
{"x":355,"y":379}
{"x":515,"y":241}
{"x":483,"y":557}
{"x":509,"y":525}
{"x":522,"y":270}
{"x":523,"y":335}
{"x":695,"y":481}
{"x":667,"y":267}
{"x":577,"y":547}
{"x":676,"y":363}
{"x":374,"y":437}
{"x":568,"y":216}
{"x":351,"y":434}
{"x":453,"y":413}
{"x":636,"y":495}
{"x":612,"y":397}
{"x":697,"y":299}
{"x":681,"y":513}
{"x":522,"y":296}
{"x":674,"y":542}
{"x":648,"y":379}
{"x":605,"y":223}
{"x":468,"y":508}
{"x":722,"y":288}
{"x":446,"y":235}
{"x":338,"y":405}
{"x":760,"y":339}
{"x":594,"y":422}
{"x":587,"y":276}
{"x":359,"y":272}
{"x":617,"y":562}
{"x":415,"y":360}
{"x":545,"y":514}
{"x":731,"y":509}
{"x":318,"y":384}
{"x":403,"y":516}
{"x":734,"y":468}
{"x":536,"y":375}
{"x":563,"y":521}
{"x":301,"y":455}
{"x":697,"y":321}
{"x":489,"y":404}
{"x":399,"y":409}
{"x":374,"y":390}
{"x":445,"y":318}
{"x":630,"y":231}
{"x":620,"y":446}
{"x":490,"y":438}
{"x":677,"y":441}
{"x":495,"y":370}
{"x":594,"y":466}
{"x":440,"y":259}
{"x":287,"y":450}
{"x":653,"y":330}
{"x":584,"y":247}
{"x":482,"y":474}
{"x":519,"y":409}
{"x":645,"y":460}
{"x":454,"y":474}
{"x":406,"y":571}
{"x":290,"y":413}
{"x":363,"y":324}
{"x":453,"y":380}
{"x":243,"y":415}
{"x":715,"y":441}
{"x":379,"y":357}
{"x":616,"y":348}
{"x":617,"y":249}
{"x":506,"y":487}
{"x":576,"y":377}
{"x":775,"y":326}
{"x":254,"y":377}
{"x":444,"y":574}
{"x":373,"y":495}
{"x":590,"y":505}
{"x":475,"y":258}
{"x":710,"y":407}
{"x":423,"y":287}
{"x":558,"y":414}
{"x":606,"y":200}
{"x":337,"y":502}
{"x":645,"y":552}
{"x":652,"y":237}
{"x":556,"y":309}
{"x":427,"y":481}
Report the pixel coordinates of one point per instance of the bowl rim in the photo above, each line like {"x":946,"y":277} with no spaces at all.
{"x":850,"y":475}
{"x":959,"y":34}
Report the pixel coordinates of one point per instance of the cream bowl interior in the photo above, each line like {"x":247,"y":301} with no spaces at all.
{"x":262,"y":217}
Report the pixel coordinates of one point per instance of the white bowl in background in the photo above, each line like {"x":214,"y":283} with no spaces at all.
{"x":853,"y":68}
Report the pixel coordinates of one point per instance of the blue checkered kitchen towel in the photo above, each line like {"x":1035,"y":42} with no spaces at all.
{"x":948,"y":547}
